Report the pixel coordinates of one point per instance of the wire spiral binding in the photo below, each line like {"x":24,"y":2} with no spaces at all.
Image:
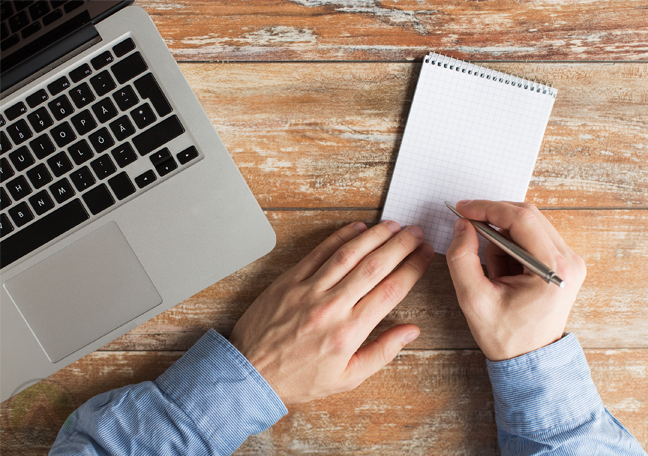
{"x":488,"y":73}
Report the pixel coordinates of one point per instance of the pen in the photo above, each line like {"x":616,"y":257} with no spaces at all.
{"x":510,"y":247}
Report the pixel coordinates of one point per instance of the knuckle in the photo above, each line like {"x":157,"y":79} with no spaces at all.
{"x":392,"y":291}
{"x":373,"y":267}
{"x":455,"y":254}
{"x":319,"y":255}
{"x":342,"y":339}
{"x":345,"y":256}
{"x":525,"y":214}
{"x":407,"y":240}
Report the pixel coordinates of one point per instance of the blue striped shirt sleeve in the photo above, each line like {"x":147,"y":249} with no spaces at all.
{"x":207,"y":403}
{"x":546,"y":403}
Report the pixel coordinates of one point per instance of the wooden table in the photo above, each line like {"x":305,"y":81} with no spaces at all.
{"x":311,"y":98}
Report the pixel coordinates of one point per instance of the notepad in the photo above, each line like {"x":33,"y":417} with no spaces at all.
{"x":472,"y":133}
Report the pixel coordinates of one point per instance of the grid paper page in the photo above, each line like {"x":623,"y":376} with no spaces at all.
{"x":467,"y":137}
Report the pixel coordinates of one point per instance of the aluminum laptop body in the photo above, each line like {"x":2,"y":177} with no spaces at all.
{"x":119,"y":199}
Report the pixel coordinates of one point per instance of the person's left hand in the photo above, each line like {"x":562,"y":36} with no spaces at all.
{"x":303,"y":333}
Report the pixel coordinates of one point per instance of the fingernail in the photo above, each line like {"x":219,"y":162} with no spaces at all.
{"x":360,"y":227}
{"x":464,"y":201}
{"x":410,"y":336}
{"x":426,"y":251}
{"x":416,"y":231}
{"x":459,"y":227}
{"x":393,"y":226}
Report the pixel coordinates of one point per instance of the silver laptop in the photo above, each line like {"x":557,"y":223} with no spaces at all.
{"x":118,"y":198}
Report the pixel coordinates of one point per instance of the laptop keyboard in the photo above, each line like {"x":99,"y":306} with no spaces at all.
{"x":67,"y":151}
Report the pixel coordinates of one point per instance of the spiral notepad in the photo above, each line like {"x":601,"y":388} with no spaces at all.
{"x":472,"y":133}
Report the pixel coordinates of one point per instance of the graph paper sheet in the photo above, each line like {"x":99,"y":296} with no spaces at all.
{"x":469,"y":135}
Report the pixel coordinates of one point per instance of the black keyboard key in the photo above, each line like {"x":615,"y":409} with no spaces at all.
{"x":6,"y":171}
{"x":158,"y":135}
{"x":5,"y":226}
{"x":37,"y":98}
{"x":21,"y":158}
{"x":82,"y":178}
{"x":21,"y":214}
{"x":30,"y":29}
{"x":61,"y":107}
{"x":124,"y":155}
{"x":125,"y":98}
{"x":102,"y":60}
{"x":103,"y":166}
{"x":9,"y":42}
{"x":98,"y":199}
{"x":38,"y":10}
{"x":101,"y":140}
{"x":84,"y":122}
{"x":39,"y":176}
{"x":63,"y":134}
{"x":59,"y":85}
{"x":187,"y":155}
{"x":19,"y":188}
{"x":102,"y":83}
{"x":71,"y":6}
{"x":16,"y":111}
{"x":145,"y":179}
{"x":143,"y":116}
{"x":5,"y":201}
{"x":40,"y":120}
{"x":18,"y":21}
{"x":41,"y":202}
{"x":163,"y":162}
{"x":122,"y":128}
{"x":80,"y":152}
{"x":128,"y":68}
{"x":148,"y":88}
{"x":19,"y":132}
{"x":53,"y":16}
{"x":121,"y":186}
{"x":6,"y":10}
{"x":104,"y":110}
{"x":57,"y":3}
{"x":62,"y":191}
{"x":42,"y":146}
{"x":60,"y":164}
{"x":82,"y":95}
{"x":79,"y":73}
{"x":4,"y":31}
{"x":42,"y":231}
{"x":5,"y":144}
{"x":124,"y":47}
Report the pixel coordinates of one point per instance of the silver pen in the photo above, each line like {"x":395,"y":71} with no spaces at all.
{"x":510,"y":247}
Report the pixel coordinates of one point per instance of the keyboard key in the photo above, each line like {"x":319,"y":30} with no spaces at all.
{"x":42,"y":231}
{"x":128,"y":68}
{"x":9,"y":42}
{"x":61,"y":107}
{"x":121,"y":186}
{"x":21,"y":214}
{"x":18,"y":21}
{"x":4,"y":31}
{"x":98,"y":199}
{"x":60,"y":164}
{"x":37,"y":98}
{"x":187,"y":155}
{"x":103,"y":166}
{"x":41,"y":202}
{"x":19,"y":132}
{"x":80,"y":152}
{"x":62,"y":191}
{"x":104,"y":110}
{"x":71,"y":6}
{"x":42,"y":146}
{"x":124,"y":47}
{"x":148,"y":88}
{"x":6,"y":171}
{"x":122,"y":128}
{"x":143,"y":116}
{"x":84,"y":122}
{"x":40,"y":120}
{"x":39,"y":176}
{"x":101,"y":140}
{"x":80,"y":73}
{"x":51,"y":17}
{"x":158,"y":135}
{"x":16,"y":111}
{"x":82,"y":178}
{"x":125,"y":98}
{"x":102,"y":83}
{"x":30,"y":29}
{"x":19,"y":188}
{"x":102,"y":60}
{"x":59,"y":85}
{"x":5,"y":227}
{"x":163,"y":162}
{"x":5,"y":201}
{"x":38,"y":10}
{"x":145,"y":179}
{"x":21,"y":158}
{"x":6,"y":10}
{"x":5,"y":145}
{"x":63,"y":134}
{"x":82,"y":95}
{"x":124,"y":155}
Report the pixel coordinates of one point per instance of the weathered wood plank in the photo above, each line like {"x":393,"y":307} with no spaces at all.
{"x":328,"y":134}
{"x":400,"y":30}
{"x":611,"y":309}
{"x":422,"y":400}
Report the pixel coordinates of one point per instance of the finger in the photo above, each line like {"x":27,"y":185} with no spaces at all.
{"x":372,"y":357}
{"x":546,"y":224}
{"x":348,"y":256}
{"x":314,"y":260}
{"x":496,"y":261}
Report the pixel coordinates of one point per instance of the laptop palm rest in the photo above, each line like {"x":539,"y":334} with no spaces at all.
{"x":83,"y":292}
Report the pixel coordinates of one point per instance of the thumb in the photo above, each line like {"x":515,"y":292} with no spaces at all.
{"x":463,"y":261}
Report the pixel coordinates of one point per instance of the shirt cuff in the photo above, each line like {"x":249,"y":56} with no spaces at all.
{"x":545,"y":388}
{"x":221,"y":392}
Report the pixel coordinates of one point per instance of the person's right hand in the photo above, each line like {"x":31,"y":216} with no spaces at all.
{"x":513,"y":311}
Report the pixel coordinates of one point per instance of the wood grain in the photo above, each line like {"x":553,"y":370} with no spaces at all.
{"x":401,"y":30}
{"x":328,"y":134}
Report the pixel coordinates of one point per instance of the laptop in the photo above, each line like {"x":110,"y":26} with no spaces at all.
{"x":118,"y":199}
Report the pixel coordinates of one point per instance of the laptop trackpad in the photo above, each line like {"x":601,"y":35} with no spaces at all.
{"x":83,"y":292}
